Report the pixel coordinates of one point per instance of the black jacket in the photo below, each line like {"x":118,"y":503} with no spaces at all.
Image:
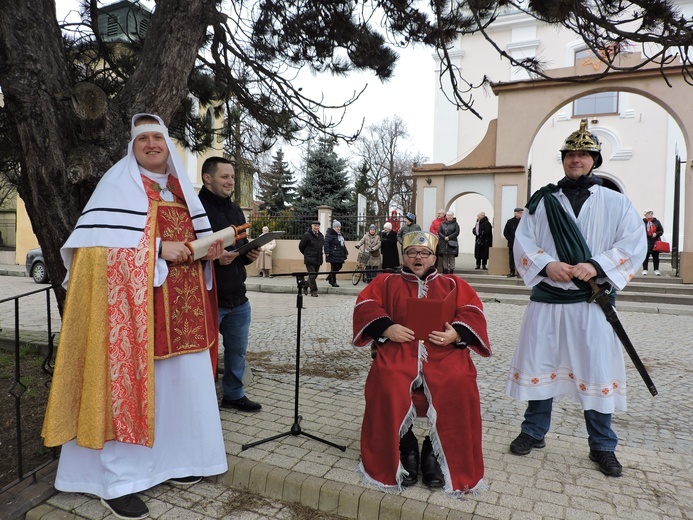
{"x":485,"y":236}
{"x":222,"y":213}
{"x":310,"y":247}
{"x":450,"y":229}
{"x":510,"y":229}
{"x":335,"y":252}
{"x":660,"y":231}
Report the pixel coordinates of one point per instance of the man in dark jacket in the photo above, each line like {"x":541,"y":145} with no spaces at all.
{"x":509,"y":234}
{"x":310,"y":247}
{"x":218,"y":176}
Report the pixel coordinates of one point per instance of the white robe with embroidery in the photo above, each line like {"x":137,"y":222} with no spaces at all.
{"x":570,"y":350}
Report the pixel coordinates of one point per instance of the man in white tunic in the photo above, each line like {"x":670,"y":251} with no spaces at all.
{"x":571,"y":233}
{"x":133,"y":400}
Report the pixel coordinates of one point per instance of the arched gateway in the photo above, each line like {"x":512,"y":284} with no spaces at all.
{"x":497,"y":167}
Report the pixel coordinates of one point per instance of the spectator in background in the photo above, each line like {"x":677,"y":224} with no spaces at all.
{"x":395,"y":221}
{"x":335,"y":251}
{"x":409,"y":226}
{"x":435,"y":225}
{"x":370,"y":242}
{"x":311,"y":246}
{"x":654,"y":230}
{"x":509,"y":234}
{"x":264,"y":261}
{"x":448,"y":248}
{"x":483,"y":231}
{"x":389,"y":247}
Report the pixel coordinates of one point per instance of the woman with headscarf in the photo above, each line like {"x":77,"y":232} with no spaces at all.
{"x":371,"y":244}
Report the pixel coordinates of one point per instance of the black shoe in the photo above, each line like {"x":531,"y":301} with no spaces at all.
{"x":510,"y":275}
{"x":127,"y":507}
{"x":334,"y":284}
{"x":243,"y":404}
{"x":409,"y":456}
{"x":608,"y":463}
{"x":430,"y":469}
{"x":184,"y":481}
{"x":484,"y":268}
{"x":524,"y":443}
{"x":477,"y":268}
{"x":314,"y":294}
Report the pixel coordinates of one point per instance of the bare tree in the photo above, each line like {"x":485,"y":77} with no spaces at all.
{"x":382,"y":150}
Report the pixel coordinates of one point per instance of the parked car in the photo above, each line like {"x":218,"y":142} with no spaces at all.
{"x":36,"y":266}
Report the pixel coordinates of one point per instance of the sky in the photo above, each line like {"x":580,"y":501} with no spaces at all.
{"x":409,"y":94}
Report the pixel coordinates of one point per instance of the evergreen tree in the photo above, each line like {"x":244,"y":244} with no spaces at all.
{"x":276,"y":186}
{"x":363,"y":186}
{"x":325,"y":182}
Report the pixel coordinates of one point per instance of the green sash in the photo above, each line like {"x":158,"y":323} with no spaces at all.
{"x":570,"y":247}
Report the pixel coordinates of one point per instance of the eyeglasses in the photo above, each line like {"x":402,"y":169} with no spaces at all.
{"x":423,"y":254}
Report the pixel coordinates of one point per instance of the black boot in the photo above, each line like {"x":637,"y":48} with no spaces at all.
{"x":409,"y":456}
{"x":430,"y":469}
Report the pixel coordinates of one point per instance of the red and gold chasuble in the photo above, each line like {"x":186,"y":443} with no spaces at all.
{"x":185,"y":317}
{"x":447,"y":374}
{"x":116,"y":322}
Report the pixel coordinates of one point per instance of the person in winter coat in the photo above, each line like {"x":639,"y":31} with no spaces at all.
{"x":435,"y":225}
{"x":264,"y":261}
{"x":654,"y":231}
{"x":483,"y":231}
{"x":370,"y":242}
{"x":310,"y":246}
{"x":509,"y":234}
{"x":388,"y":239}
{"x":448,"y":247}
{"x":335,"y":251}
{"x":409,"y":226}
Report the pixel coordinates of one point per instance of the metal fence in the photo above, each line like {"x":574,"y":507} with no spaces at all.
{"x":353,"y":226}
{"x":25,"y":374}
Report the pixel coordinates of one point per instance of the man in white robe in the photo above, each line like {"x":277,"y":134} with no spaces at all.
{"x":179,"y":437}
{"x":570,"y":234}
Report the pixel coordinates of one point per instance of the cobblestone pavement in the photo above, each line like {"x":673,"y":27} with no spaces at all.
{"x":557,"y":482}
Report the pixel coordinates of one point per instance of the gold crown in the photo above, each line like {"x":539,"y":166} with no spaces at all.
{"x":420,"y":238}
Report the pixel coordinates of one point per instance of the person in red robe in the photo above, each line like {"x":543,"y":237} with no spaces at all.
{"x":439,"y":365}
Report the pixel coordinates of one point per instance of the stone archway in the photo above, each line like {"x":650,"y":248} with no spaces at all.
{"x":523,"y":107}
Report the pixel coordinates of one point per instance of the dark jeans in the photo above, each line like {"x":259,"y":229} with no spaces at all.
{"x":370,"y":276}
{"x":600,"y":435}
{"x":332,"y":278}
{"x":234,"y":325}
{"x":511,"y":259}
{"x":655,"y":260}
{"x":312,"y":268}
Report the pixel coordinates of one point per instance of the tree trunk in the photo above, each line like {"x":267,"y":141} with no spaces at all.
{"x":68,"y":135}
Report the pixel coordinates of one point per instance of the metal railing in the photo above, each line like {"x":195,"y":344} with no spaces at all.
{"x":20,"y":388}
{"x":353,"y":226}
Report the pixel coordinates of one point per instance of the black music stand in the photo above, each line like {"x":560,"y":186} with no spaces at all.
{"x":302,"y":285}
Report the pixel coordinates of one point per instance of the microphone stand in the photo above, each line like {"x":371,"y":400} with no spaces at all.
{"x":302,"y":285}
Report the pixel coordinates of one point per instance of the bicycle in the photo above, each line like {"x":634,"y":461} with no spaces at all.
{"x":360,"y":273}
